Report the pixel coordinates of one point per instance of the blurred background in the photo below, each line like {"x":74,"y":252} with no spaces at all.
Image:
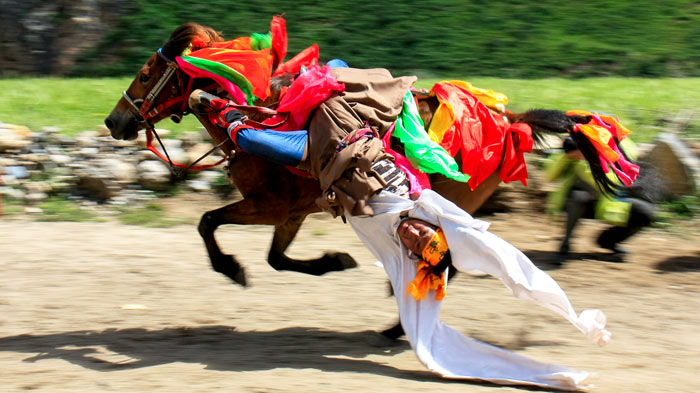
{"x":519,"y":39}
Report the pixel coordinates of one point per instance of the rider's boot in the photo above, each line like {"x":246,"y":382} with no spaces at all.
{"x":282,"y":147}
{"x":217,"y":110}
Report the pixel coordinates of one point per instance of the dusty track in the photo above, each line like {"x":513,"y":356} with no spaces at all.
{"x":99,"y":307}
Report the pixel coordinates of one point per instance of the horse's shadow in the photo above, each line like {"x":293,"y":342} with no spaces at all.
{"x":689,"y":263}
{"x":222,"y":348}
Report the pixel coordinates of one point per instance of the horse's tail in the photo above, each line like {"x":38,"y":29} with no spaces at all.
{"x":553,"y":121}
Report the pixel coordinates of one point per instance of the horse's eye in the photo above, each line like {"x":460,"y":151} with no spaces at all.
{"x":144,"y":78}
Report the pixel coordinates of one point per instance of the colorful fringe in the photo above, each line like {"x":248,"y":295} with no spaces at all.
{"x":464,"y":124}
{"x":602,"y":131}
{"x":243,"y":66}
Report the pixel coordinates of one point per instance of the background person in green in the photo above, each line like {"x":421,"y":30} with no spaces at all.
{"x":579,"y":197}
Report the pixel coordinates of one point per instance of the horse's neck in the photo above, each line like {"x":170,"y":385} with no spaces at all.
{"x":218,"y":135}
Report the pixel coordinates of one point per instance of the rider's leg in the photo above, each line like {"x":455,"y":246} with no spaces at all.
{"x":282,"y":147}
{"x":641,"y":215}
{"x":576,"y":206}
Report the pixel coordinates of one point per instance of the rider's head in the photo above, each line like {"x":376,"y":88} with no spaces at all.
{"x":415,"y":234}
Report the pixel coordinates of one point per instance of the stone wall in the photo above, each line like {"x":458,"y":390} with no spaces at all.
{"x":94,"y":167}
{"x":46,"y":37}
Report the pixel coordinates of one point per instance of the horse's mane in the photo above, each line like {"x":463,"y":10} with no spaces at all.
{"x":190,"y":33}
{"x":554,"y":121}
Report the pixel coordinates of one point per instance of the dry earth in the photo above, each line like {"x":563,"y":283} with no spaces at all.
{"x":100,"y":307}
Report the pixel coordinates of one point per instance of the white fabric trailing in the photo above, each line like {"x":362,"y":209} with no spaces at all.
{"x":441,"y":348}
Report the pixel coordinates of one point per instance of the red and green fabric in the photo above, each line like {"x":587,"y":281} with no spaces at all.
{"x":242,"y":66}
{"x":463,"y":125}
{"x":423,"y":153}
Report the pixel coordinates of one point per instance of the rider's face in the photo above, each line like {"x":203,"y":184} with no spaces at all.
{"x":415,"y":234}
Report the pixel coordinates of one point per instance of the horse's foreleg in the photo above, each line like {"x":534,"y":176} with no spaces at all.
{"x":244,"y":212}
{"x":284,"y":234}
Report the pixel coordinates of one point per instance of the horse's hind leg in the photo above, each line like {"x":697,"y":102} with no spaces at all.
{"x":284,"y":234}
{"x":244,"y":212}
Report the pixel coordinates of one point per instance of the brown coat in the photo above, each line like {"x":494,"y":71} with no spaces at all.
{"x":371,"y":96}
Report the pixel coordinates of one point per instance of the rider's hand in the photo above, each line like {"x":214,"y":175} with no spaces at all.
{"x":233,"y":116}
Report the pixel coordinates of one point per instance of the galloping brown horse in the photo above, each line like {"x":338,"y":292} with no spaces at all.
{"x":272,"y":195}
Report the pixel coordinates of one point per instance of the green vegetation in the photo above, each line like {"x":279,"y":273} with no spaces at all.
{"x":687,"y":207}
{"x":516,"y":39}
{"x":59,"y":209}
{"x":150,"y":215}
{"x":11,"y":206}
{"x":643,"y":105}
{"x":73,"y":105}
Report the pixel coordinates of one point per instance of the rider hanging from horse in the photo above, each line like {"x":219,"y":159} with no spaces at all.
{"x":339,"y":136}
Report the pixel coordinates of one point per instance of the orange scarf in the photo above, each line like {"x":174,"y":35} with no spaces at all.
{"x":425,"y":279}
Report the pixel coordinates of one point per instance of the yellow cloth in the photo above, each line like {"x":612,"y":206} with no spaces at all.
{"x":425,"y":279}
{"x":444,"y":117}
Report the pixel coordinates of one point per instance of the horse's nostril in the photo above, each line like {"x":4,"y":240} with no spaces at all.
{"x":109,"y":123}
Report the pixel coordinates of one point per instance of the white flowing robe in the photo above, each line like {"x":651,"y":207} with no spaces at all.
{"x":441,"y":348}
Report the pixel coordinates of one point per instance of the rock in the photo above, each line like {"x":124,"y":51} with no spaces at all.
{"x":118,"y":170}
{"x":37,"y":187}
{"x":36,"y":197}
{"x":51,"y":129}
{"x":102,"y":130}
{"x":198,"y":185}
{"x":16,"y":171}
{"x":190,"y":139}
{"x":153,"y":175}
{"x":199,"y":150}
{"x":12,"y":193}
{"x":33,"y":210}
{"x":675,"y":162}
{"x":9,"y":180}
{"x":11,"y":139}
{"x":60,"y":159}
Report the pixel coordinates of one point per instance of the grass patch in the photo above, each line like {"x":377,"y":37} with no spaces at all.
{"x":151,"y":215}
{"x":643,"y":105}
{"x":11,"y":206}
{"x":72,"y":104}
{"x":56,"y":209}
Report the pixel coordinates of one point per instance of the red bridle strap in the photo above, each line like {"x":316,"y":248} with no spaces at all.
{"x":150,"y":132}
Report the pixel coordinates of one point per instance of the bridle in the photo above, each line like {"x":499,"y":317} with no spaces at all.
{"x":145,"y":112}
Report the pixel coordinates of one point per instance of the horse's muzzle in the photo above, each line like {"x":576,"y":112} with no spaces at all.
{"x":121,"y":126}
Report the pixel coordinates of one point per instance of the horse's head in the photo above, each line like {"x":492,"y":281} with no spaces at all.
{"x":160,"y":89}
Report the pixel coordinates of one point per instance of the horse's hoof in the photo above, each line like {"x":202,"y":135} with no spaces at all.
{"x":228,"y":266}
{"x":394,"y":332}
{"x":379,"y":340}
{"x":239,"y":278}
{"x":340,"y":261}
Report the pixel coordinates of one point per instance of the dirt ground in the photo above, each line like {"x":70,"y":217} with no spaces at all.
{"x":101,"y":307}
